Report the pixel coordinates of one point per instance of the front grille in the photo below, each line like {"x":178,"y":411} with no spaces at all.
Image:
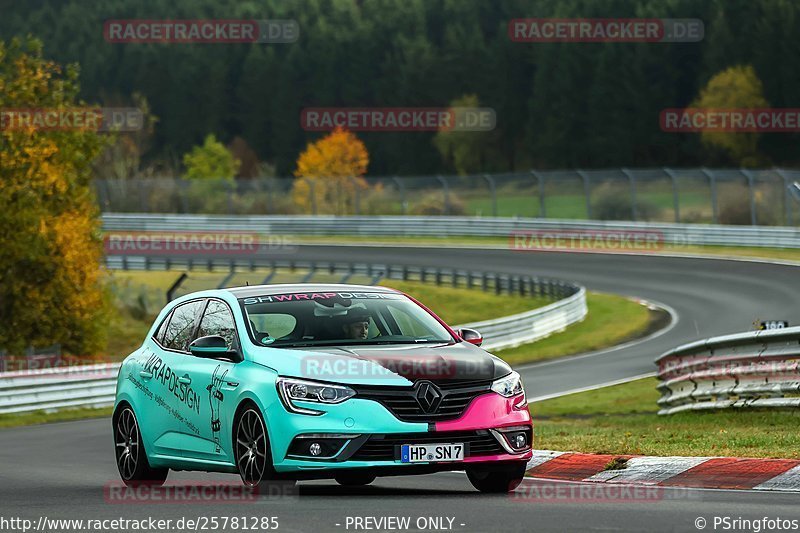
{"x":387,"y":447}
{"x":402,"y":401}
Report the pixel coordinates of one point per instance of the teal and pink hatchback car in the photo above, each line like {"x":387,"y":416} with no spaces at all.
{"x":305,"y":381}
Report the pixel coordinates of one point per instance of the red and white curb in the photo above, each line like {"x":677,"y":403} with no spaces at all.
{"x":697,"y":472}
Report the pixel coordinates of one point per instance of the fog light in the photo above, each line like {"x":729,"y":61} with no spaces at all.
{"x":518,"y":441}
{"x":315,"y":449}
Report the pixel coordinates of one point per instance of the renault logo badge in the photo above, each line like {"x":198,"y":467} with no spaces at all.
{"x":428,"y":396}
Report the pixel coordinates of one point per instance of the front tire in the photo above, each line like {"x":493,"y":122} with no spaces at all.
{"x":497,"y":481}
{"x":252,"y":451}
{"x":132,"y":463}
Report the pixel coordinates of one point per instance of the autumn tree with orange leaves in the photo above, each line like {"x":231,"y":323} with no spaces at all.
{"x":330,"y":174}
{"x":51,"y":286}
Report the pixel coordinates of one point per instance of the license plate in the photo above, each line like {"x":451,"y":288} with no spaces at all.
{"x":431,"y":453}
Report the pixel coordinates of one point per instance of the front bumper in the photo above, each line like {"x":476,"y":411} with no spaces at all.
{"x":365,"y":434}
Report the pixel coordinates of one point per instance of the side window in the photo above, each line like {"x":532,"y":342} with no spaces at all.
{"x":181,"y":326}
{"x":218,"y":320}
{"x":162,"y":329}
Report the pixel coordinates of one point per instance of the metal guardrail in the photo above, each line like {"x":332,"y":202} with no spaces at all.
{"x":511,"y":331}
{"x":754,"y":369}
{"x":58,"y":388}
{"x":94,"y":386}
{"x":439,"y":226}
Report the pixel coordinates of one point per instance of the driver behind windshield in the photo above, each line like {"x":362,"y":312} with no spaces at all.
{"x":356,"y":326}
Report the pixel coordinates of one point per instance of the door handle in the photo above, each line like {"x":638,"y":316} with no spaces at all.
{"x":145,"y":374}
{"x":186,"y":380}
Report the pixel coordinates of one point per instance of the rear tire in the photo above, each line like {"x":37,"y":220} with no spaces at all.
{"x":500,"y":480}
{"x":354,"y":479}
{"x":132,"y":463}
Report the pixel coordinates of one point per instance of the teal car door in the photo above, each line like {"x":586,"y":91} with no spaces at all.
{"x":206,"y":436}
{"x":168,"y":394}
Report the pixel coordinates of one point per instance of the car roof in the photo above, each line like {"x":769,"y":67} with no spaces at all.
{"x":285,"y":288}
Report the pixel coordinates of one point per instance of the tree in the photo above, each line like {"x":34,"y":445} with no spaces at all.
{"x":122,"y":156}
{"x":733,"y":88}
{"x":210,"y":161}
{"x":466,"y":151}
{"x":330,"y":173}
{"x":51,"y":284}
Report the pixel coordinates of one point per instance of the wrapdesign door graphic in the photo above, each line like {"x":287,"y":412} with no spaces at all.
{"x":215,"y":397}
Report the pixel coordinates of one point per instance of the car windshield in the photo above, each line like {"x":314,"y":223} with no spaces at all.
{"x":339,"y":318}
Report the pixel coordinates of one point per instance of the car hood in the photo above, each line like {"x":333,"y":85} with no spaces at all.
{"x":393,"y":365}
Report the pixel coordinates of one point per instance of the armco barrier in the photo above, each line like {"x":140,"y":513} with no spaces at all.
{"x":669,"y":234}
{"x":511,"y":331}
{"x":754,"y":369}
{"x":94,"y":386}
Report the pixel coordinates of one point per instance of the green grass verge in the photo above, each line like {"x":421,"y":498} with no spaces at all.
{"x":459,"y":306}
{"x":41,"y":417}
{"x":622,"y":420}
{"x":611,"y":320}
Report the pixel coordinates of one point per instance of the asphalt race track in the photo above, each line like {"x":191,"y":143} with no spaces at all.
{"x":60,"y":470}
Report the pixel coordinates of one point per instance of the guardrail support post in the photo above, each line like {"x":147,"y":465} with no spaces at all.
{"x":751,"y":185}
{"x":493,"y":191}
{"x":313,"y":195}
{"x":787,"y":203}
{"x":446,"y":192}
{"x":712,"y":185}
{"x":402,"y":189}
{"x":587,"y":191}
{"x":676,"y":205}
{"x":632,"y":181}
{"x":174,"y":287}
{"x":540,"y":184}
{"x":357,"y":193}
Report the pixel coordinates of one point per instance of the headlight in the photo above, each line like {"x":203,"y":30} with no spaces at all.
{"x":509,"y":386}
{"x":292,"y":390}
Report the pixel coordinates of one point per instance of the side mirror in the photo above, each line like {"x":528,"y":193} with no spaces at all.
{"x":209,"y":347}
{"x":471,"y":336}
